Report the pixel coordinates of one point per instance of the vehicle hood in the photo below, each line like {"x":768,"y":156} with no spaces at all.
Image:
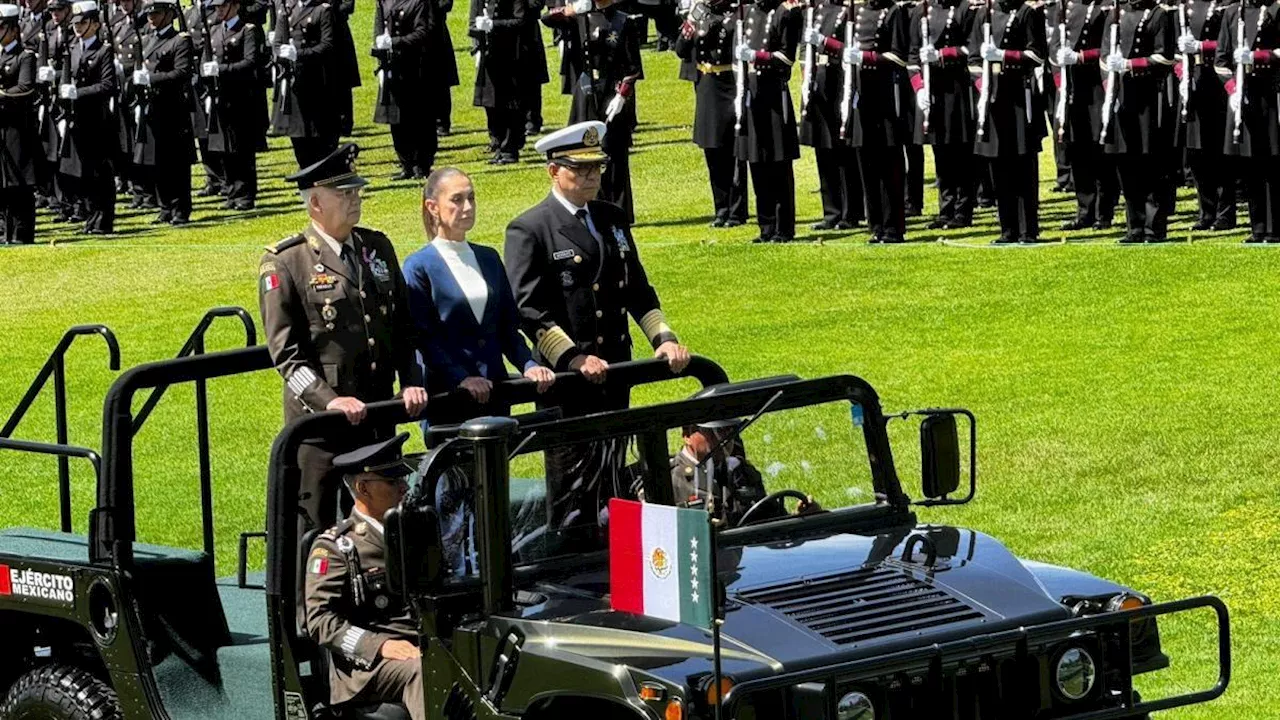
{"x":809,"y":603}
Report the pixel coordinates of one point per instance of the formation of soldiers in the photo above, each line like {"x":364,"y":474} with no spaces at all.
{"x":1133,"y":96}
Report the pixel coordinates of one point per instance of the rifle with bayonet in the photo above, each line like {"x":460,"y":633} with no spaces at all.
{"x":1064,"y":77}
{"x":207,"y":85}
{"x":846,"y":94}
{"x":807,"y":74}
{"x":984,"y":93}
{"x":926,"y":85}
{"x":1113,"y":78}
{"x":1237,"y":128}
{"x":739,"y":72}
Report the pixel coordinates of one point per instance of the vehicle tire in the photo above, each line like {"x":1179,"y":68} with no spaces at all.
{"x":60,"y":692}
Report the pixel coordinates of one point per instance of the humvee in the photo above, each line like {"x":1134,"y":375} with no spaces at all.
{"x":849,"y":610}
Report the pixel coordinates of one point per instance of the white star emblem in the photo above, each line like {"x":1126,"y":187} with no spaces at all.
{"x":693,"y":557}
{"x":694,"y":597}
{"x":693,"y":543}
{"x":693,"y":581}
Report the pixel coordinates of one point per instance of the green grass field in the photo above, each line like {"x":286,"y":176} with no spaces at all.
{"x":1124,"y":395}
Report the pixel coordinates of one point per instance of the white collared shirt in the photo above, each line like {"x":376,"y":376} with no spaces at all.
{"x":9,"y":48}
{"x":333,"y":244}
{"x":372,"y":523}
{"x":573,"y":210}
{"x":231,"y":24}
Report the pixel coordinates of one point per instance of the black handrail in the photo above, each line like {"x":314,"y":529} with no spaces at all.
{"x":64,"y":453}
{"x":56,"y":366}
{"x":195,"y":346}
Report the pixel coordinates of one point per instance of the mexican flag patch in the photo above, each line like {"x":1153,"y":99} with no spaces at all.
{"x":270,"y":282}
{"x":660,"y":563}
{"x":318,"y":566}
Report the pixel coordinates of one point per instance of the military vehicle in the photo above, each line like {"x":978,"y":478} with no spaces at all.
{"x":841,"y":605}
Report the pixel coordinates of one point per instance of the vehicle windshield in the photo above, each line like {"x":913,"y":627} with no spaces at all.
{"x":559,"y":495}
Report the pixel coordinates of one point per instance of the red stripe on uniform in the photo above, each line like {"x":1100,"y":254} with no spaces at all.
{"x":5,"y":587}
{"x":626,"y":556}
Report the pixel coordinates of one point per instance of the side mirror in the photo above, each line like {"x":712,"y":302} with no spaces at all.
{"x":415,"y":562}
{"x":939,"y":455}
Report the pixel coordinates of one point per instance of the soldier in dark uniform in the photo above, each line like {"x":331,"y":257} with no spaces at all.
{"x":1015,"y":122}
{"x":336,"y":320}
{"x":878,"y":124}
{"x":1080,"y":100}
{"x":1205,"y":117}
{"x":307,"y":81}
{"x":576,"y":274}
{"x":1140,"y":136}
{"x":1256,"y":144}
{"x":127,"y":28}
{"x":32,"y":24}
{"x":498,"y":30}
{"x":21,"y":145}
{"x":238,"y":130}
{"x":196,"y":20}
{"x":403,"y":30}
{"x":949,"y":106}
{"x":165,"y":148}
{"x":603,"y":47}
{"x":535,"y":52}
{"x":443,"y":64}
{"x":839,"y":177}
{"x":85,"y":95}
{"x":765,"y":119}
{"x":706,"y":43}
{"x":914,"y":147}
{"x":52,"y":56}
{"x":1054,"y":12}
{"x":372,"y":635}
{"x":713,"y":465}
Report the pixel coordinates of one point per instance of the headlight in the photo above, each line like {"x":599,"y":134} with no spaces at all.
{"x":855,"y":706}
{"x":1075,"y":674}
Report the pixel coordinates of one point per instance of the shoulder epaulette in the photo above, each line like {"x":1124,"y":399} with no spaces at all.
{"x":276,"y":247}
{"x":337,"y":531}
{"x":184,"y":33}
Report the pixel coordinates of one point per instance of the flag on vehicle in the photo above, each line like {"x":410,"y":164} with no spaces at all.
{"x":660,"y":562}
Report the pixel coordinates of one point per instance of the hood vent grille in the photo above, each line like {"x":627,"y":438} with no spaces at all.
{"x":856,"y":606}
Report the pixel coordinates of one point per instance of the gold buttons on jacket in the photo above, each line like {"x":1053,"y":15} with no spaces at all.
{"x":599,"y":340}
{"x":595,"y":287}
{"x":371,"y":342}
{"x":577,"y":258}
{"x":367,"y":318}
{"x":599,"y":313}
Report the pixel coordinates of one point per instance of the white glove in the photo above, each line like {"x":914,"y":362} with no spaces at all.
{"x":45,"y":74}
{"x":1067,"y":56}
{"x":813,"y":37}
{"x":209,"y":69}
{"x":1244,"y":56}
{"x":1233,"y":100}
{"x":991,"y":53}
{"x":67,"y":91}
{"x":119,"y":68}
{"x":1115,"y":63}
{"x":922,"y":101}
{"x":484,"y":23}
{"x":142,"y":77}
{"x":1188,"y":44}
{"x":582,"y":7}
{"x":383,"y":41}
{"x":744,"y":54}
{"x":851,"y":56}
{"x":271,"y":37}
{"x":288,"y":51}
{"x":685,"y":6}
{"x":929,"y":54}
{"x":615,"y":107}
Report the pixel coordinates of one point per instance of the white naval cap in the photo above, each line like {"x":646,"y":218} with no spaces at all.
{"x":8,"y":11}
{"x":84,"y":7}
{"x":578,"y":144}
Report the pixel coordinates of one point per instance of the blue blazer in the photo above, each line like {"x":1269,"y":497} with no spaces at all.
{"x":453,"y":345}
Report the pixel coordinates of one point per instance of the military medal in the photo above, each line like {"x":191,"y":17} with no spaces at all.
{"x":329,"y":313}
{"x":621,"y":238}
{"x":323,"y":281}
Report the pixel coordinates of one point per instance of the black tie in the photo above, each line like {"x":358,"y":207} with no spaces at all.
{"x":348,"y":259}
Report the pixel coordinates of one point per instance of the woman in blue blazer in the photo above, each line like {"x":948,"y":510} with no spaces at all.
{"x":462,"y":303}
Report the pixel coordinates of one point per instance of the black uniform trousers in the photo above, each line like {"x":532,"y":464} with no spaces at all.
{"x":1018,"y":196}
{"x":1142,"y":180}
{"x":239,"y":173}
{"x":728,"y":183}
{"x":311,"y":150}
{"x":172,"y":183}
{"x":506,"y":130}
{"x":615,"y":181}
{"x":915,"y":179}
{"x":1263,"y":181}
{"x":94,"y":198}
{"x":215,"y":182}
{"x":416,"y":144}
{"x":1097,"y":186}
{"x":533,"y":108}
{"x":985,"y":188}
{"x":1063,"y":162}
{"x":444,"y":107}
{"x":840,"y":183}
{"x":19,"y":207}
{"x":775,"y":186}
{"x":1215,"y":186}
{"x":883,"y":185}
{"x":954,"y":166}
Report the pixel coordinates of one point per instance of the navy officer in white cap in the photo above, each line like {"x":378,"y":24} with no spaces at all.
{"x":18,"y":134}
{"x":576,"y":273}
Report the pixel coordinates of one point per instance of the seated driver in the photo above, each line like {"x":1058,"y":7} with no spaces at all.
{"x":371,"y":634}
{"x":713,"y":463}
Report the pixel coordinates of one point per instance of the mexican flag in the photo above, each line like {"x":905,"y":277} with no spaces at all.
{"x":660,"y":562}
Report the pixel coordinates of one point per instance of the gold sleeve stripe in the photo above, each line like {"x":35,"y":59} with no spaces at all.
{"x":553,"y":343}
{"x":1161,"y":59}
{"x":654,"y":323}
{"x":782,"y":58}
{"x":893,"y":58}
